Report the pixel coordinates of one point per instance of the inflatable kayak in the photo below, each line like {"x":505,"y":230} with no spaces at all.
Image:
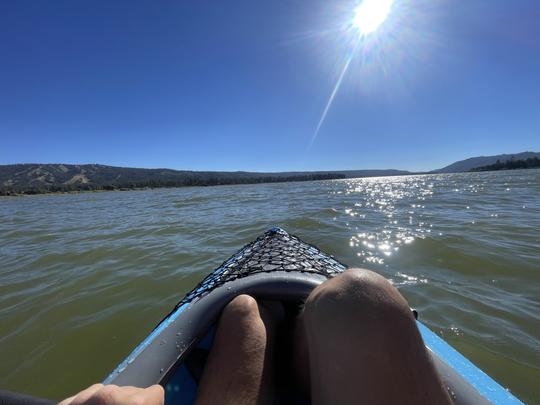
{"x":276,"y":266}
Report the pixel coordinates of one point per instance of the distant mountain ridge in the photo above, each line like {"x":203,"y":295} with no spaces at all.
{"x":479,"y":161}
{"x":34,"y":178}
{"x":44,"y":178}
{"x":513,"y":164}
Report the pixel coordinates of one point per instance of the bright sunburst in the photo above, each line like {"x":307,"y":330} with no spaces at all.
{"x":370,"y":15}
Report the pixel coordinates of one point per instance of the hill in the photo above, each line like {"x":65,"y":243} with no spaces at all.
{"x":46,"y":178}
{"x":49,"y":178}
{"x":530,"y":163}
{"x":479,"y":161}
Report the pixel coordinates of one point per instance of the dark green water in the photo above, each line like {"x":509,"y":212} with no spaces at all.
{"x":83,"y":278}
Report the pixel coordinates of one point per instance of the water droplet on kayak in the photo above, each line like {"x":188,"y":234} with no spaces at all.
{"x":161,"y":370}
{"x":229,"y":288}
{"x":178,"y":346}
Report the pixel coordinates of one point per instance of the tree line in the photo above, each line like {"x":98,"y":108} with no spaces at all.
{"x":183,"y":181}
{"x":529,"y":163}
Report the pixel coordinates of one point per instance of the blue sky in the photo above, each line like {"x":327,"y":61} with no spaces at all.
{"x":241,"y":85}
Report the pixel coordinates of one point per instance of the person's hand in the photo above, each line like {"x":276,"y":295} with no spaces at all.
{"x":99,"y":394}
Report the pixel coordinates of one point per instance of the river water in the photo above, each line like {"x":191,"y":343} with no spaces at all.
{"x":84,"y":277}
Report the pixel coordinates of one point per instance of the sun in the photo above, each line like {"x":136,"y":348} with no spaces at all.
{"x":369,"y":15}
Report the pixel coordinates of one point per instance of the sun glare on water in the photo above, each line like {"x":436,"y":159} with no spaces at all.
{"x":370,"y":15}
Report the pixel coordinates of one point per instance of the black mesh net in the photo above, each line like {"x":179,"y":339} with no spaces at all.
{"x":275,"y":250}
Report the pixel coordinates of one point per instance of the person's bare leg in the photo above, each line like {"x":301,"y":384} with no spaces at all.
{"x":300,"y":359}
{"x":364,"y":346}
{"x":239,"y":369}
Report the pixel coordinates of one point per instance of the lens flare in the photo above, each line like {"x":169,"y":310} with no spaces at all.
{"x":367,"y":19}
{"x":331,"y":100}
{"x":370,"y":15}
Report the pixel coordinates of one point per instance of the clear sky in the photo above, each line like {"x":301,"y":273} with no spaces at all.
{"x":242,"y":84}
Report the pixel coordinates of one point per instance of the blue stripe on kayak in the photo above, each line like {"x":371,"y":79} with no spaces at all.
{"x":483,"y":383}
{"x":129,"y":359}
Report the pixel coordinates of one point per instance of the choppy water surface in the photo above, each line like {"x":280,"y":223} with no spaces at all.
{"x":83,"y":278}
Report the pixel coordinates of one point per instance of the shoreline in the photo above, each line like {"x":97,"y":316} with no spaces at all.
{"x":124,"y":189}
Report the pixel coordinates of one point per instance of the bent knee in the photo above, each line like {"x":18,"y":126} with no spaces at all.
{"x":357,"y":294}
{"x":241,"y":307}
